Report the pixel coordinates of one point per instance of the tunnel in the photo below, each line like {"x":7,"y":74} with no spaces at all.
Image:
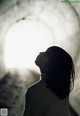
{"x":28,"y":27}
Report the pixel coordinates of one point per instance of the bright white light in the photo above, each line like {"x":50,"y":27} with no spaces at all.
{"x":24,"y":41}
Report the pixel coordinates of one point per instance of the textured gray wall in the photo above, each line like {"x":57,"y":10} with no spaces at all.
{"x":45,"y":11}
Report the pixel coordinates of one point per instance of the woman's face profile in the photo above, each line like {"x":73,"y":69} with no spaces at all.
{"x":42,"y":61}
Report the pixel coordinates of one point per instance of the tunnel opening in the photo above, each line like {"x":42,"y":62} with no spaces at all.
{"x":23,"y":42}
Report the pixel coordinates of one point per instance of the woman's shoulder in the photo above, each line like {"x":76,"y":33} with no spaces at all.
{"x":40,"y":91}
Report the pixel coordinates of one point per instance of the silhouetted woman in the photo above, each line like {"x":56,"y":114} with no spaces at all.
{"x":50,"y":96}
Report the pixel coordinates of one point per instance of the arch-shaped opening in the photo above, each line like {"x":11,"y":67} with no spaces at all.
{"x":24,"y":40}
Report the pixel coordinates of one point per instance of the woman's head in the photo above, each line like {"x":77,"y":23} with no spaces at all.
{"x":58,"y":66}
{"x":60,"y":73}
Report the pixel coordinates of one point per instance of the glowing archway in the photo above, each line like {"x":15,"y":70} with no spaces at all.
{"x":23,"y":42}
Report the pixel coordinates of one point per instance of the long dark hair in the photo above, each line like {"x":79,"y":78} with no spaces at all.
{"x":60,"y":74}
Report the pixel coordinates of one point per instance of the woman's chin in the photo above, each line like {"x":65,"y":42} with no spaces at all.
{"x":36,"y":61}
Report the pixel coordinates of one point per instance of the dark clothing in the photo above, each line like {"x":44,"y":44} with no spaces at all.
{"x":41,"y":101}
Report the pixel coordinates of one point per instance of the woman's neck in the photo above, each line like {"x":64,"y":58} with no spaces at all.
{"x":43,"y":77}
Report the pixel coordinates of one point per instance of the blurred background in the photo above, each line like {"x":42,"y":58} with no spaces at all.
{"x":28,"y":27}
